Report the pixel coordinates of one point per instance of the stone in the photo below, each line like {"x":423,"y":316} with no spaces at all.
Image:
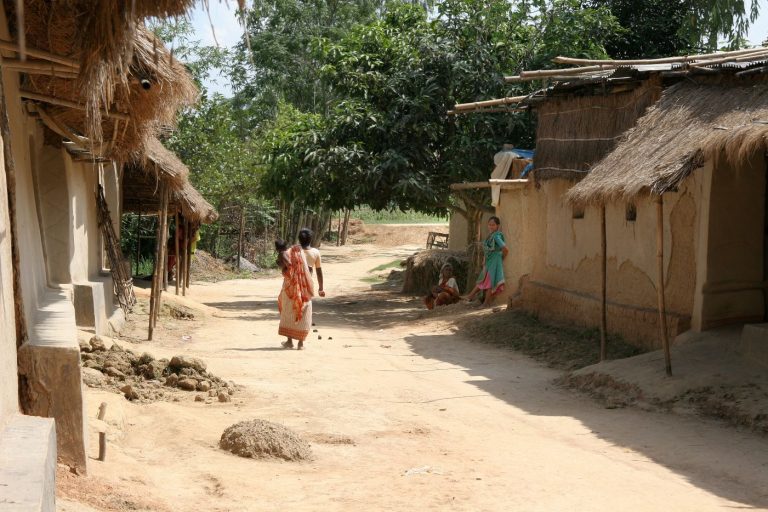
{"x":146,"y":358}
{"x":224,"y":397}
{"x":92,"y":363}
{"x":114,"y":372}
{"x":188,"y":384}
{"x":151,"y":370}
{"x":199,"y":398}
{"x":116,"y":348}
{"x":181,"y":362}
{"x":231,"y":391}
{"x":172,"y":380}
{"x":86,"y":356}
{"x":213,"y":393}
{"x":203,"y":385}
{"x":84,"y":346}
{"x":97,"y":344}
{"x":129,"y":392}
{"x":93,"y":378}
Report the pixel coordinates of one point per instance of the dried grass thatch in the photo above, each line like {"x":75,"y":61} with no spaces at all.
{"x":142,"y":179}
{"x":575,"y":132}
{"x":691,"y":123}
{"x":111,"y":51}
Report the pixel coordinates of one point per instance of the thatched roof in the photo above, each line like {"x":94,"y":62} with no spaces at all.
{"x":142,"y":179}
{"x":690,"y":124}
{"x":100,"y":72}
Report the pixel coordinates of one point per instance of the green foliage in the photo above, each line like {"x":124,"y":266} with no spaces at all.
{"x":387,"y":140}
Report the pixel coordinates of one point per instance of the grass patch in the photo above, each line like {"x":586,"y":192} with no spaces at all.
{"x":372,"y":279}
{"x":370,"y":216}
{"x":385,"y":266}
{"x":566,"y":348}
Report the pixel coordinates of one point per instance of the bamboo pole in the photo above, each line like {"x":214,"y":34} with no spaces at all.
{"x":187,"y":254}
{"x":163,"y":252}
{"x":183,"y":260}
{"x":603,"y":288}
{"x":664,"y":60}
{"x":176,"y":249}
{"x":155,"y":273}
{"x":31,"y":95}
{"x":489,"y":103}
{"x":41,"y":54}
{"x":38,"y":65}
{"x":240,"y":237}
{"x":138,"y":244}
{"x":10,"y":183}
{"x":660,"y":283}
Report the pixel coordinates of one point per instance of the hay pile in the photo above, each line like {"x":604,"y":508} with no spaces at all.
{"x":259,"y":439}
{"x":422,"y":270}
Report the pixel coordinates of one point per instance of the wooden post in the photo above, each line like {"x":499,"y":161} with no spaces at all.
{"x":163,"y":252}
{"x":138,"y":244}
{"x":176,"y":249}
{"x":660,"y":283}
{"x":102,"y":446}
{"x":155,"y":274}
{"x":603,"y":288}
{"x":240,"y":237}
{"x":187,"y":253}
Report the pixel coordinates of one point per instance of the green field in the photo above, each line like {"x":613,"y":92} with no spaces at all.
{"x":370,"y":216}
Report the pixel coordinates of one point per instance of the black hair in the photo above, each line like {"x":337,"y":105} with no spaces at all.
{"x":305,"y":237}
{"x":280,"y":246}
{"x":496,"y":220}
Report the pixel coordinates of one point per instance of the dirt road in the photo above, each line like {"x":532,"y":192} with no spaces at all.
{"x":404,"y":415}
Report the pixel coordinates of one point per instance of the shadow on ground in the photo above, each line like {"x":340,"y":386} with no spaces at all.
{"x":690,"y":446}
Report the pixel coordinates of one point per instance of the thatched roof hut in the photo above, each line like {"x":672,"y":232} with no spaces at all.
{"x":142,"y":179}
{"x":690,"y":124}
{"x":98,"y":72}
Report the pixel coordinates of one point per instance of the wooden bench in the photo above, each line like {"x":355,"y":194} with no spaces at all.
{"x":437,"y":240}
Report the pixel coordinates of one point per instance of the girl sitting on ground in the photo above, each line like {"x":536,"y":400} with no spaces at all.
{"x":446,"y":291}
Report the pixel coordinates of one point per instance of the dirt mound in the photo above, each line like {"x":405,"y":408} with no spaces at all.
{"x":259,"y":439}
{"x":205,"y":267}
{"x":145,"y":379}
{"x":422,"y":270}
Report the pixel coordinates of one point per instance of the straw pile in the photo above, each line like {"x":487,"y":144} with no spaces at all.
{"x":575,"y":132}
{"x":692,"y":123}
{"x":422,"y":270}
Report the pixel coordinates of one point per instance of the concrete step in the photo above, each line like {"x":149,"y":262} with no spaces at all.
{"x":28,"y":465}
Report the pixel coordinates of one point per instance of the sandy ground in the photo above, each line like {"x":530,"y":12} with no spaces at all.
{"x":403,"y":414}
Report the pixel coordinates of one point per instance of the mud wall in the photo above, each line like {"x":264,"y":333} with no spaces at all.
{"x":554,"y":264}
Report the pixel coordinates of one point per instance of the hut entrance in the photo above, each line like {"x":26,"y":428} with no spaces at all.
{"x":733,"y":265}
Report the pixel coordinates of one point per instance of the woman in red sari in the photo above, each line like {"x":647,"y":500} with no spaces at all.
{"x":295,"y":300}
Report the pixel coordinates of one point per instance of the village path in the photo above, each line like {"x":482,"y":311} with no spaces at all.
{"x":480,"y":428}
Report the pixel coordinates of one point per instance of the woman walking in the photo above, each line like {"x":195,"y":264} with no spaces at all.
{"x":295,"y":300}
{"x":491,"y":278}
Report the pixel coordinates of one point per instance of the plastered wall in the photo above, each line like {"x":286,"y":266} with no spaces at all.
{"x":554,"y":265}
{"x":8,"y":379}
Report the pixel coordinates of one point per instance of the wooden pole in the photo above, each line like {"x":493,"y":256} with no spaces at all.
{"x":41,"y":54}
{"x":176,"y":249}
{"x":102,"y":446}
{"x":187,"y":254}
{"x":163,"y":253}
{"x":603,"y":288}
{"x":138,"y":244}
{"x":660,"y":283}
{"x":338,"y":232}
{"x":240,"y":237}
{"x":61,"y":102}
{"x":155,"y":273}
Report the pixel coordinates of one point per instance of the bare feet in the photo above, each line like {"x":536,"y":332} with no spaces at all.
{"x":301,"y":346}
{"x":287,"y":344}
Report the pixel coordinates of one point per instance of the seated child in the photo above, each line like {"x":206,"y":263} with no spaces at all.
{"x":447,"y":290}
